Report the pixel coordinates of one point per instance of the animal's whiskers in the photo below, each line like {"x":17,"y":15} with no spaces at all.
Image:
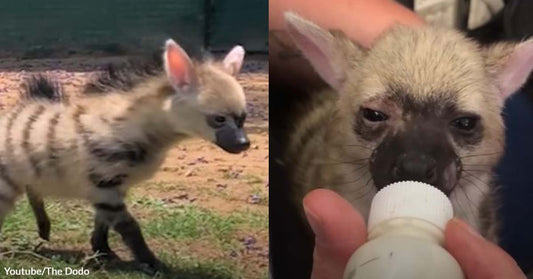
{"x":368,"y":188}
{"x":479,"y":155}
{"x":471,"y":182}
{"x":359,"y":177}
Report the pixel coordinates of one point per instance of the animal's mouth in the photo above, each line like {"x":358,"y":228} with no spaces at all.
{"x":448,"y":178}
{"x":232,"y":140}
{"x":235,"y":148}
{"x":451,"y":176}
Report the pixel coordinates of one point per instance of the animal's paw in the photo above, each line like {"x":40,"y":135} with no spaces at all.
{"x":153,"y":267}
{"x":106,"y":256}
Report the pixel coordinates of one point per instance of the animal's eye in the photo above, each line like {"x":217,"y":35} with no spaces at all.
{"x":374,"y":115}
{"x":216,"y":120}
{"x":220,"y":119}
{"x":465,"y":123}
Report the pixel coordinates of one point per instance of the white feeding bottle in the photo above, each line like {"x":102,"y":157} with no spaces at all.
{"x":405,"y":236}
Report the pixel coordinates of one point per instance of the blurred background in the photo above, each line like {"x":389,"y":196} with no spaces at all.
{"x":36,"y":28}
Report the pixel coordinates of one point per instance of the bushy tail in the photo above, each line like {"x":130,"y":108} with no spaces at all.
{"x":42,"y":88}
{"x":125,"y":76}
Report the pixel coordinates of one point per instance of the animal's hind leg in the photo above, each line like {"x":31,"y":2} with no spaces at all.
{"x":37,"y":205}
{"x":5,"y":207}
{"x":8,"y":195}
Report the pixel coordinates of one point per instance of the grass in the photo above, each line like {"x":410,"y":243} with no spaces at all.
{"x":194,"y":242}
{"x":187,"y":269}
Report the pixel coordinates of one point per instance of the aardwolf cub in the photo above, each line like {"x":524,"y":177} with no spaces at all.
{"x":98,"y":146}
{"x":423,"y":103}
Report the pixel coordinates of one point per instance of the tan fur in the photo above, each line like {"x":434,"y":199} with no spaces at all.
{"x":95,"y":148}
{"x":430,"y":63}
{"x":54,"y":160}
{"x":216,"y":84}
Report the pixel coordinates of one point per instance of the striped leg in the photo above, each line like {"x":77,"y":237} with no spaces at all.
{"x":117,"y":216}
{"x":37,"y":205}
{"x":99,"y":236}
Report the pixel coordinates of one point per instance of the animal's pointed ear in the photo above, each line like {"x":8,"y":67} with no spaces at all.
{"x":330,"y":54}
{"x":510,"y":65}
{"x":178,"y":66}
{"x":233,"y":60}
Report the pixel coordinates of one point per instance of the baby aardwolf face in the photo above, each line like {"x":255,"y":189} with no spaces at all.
{"x":421,"y":104}
{"x":207,"y":101}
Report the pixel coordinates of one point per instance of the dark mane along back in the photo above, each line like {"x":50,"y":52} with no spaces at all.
{"x":43,"y":88}
{"x":124,"y":76}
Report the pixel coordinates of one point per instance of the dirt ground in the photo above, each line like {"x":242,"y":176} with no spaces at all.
{"x":198,"y":172}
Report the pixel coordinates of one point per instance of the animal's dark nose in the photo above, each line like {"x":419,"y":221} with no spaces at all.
{"x":415,"y":166}
{"x":243,"y":143}
{"x":232,"y":140}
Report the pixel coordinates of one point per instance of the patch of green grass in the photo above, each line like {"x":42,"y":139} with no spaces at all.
{"x":191,"y":222}
{"x":71,"y":219}
{"x":170,"y":228}
{"x":182,"y":268}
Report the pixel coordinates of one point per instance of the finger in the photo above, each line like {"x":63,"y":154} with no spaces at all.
{"x":339,"y":230}
{"x":478,"y":258}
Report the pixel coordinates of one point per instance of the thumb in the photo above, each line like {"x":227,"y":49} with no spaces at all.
{"x":339,"y":230}
{"x":478,"y":258}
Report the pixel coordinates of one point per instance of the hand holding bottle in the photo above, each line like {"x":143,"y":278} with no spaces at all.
{"x":340,"y":230}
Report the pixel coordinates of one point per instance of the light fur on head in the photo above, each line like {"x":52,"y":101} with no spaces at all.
{"x":422,"y":103}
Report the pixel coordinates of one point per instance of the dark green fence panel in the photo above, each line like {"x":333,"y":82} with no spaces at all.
{"x":117,"y":25}
{"x":77,"y":23}
{"x":239,"y":21}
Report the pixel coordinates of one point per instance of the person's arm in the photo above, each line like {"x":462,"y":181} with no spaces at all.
{"x":361,"y":20}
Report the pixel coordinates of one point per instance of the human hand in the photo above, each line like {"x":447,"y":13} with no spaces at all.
{"x":339,"y":230}
{"x":478,"y":258}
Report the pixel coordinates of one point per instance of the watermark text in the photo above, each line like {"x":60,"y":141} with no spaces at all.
{"x":46,"y":271}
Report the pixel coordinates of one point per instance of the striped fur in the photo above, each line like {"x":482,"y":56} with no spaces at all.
{"x":96,"y":147}
{"x":124,"y":76}
{"x":41,"y":88}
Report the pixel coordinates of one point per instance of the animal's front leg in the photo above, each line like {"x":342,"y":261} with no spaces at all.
{"x":99,"y":237}
{"x":118,"y":217}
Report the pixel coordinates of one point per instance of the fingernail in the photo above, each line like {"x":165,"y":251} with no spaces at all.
{"x":313,"y":221}
{"x":466,"y":227}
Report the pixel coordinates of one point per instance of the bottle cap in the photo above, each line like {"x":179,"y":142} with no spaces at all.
{"x":410,"y":199}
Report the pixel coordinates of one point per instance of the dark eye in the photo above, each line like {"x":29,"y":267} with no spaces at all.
{"x":216,"y":120}
{"x":374,"y":115}
{"x":465,"y":123}
{"x":220,"y":119}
